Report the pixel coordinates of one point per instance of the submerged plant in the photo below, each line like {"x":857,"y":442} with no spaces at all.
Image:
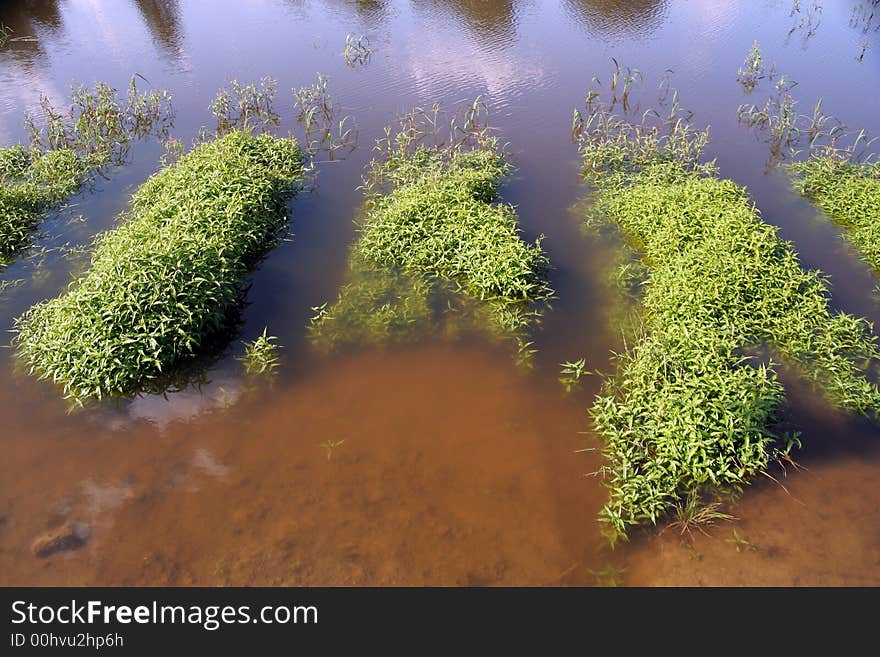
{"x":100,"y":125}
{"x":68,"y":148}
{"x":571,"y":373}
{"x":752,"y":69}
{"x":31,"y":184}
{"x":741,"y":543}
{"x":435,"y":248}
{"x":330,"y":445}
{"x":693,"y":514}
{"x":5,"y":35}
{"x":692,"y":410}
{"x":850,"y":194}
{"x":791,"y":134}
{"x":166,"y":282}
{"x":806,"y":21}
{"x":261,"y":355}
{"x":317,"y":116}
{"x":357,"y":50}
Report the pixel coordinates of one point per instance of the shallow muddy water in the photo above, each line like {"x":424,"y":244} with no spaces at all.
{"x":440,"y":462}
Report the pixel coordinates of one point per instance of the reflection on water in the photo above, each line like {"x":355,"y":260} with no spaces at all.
{"x":619,"y":19}
{"x":449,"y":465}
{"x":490,"y":21}
{"x":163,"y":20}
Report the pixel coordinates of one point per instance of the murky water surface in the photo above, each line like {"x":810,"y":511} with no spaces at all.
{"x":440,"y":462}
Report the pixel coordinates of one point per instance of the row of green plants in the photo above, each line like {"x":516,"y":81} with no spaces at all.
{"x":169,"y":279}
{"x":67,"y":149}
{"x":692,"y":413}
{"x":436,"y":250}
{"x":828,"y":163}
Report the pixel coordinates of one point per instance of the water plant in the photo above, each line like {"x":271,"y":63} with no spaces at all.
{"x":165,"y":282}
{"x":806,"y":21}
{"x":752,"y":69}
{"x":245,"y":107}
{"x":261,"y":355}
{"x":849,"y":193}
{"x":100,"y":125}
{"x":330,"y":445}
{"x":791,"y":134}
{"x":5,"y":35}
{"x":863,"y":15}
{"x":741,"y":543}
{"x":32,"y":183}
{"x":317,"y":116}
{"x":357,"y":50}
{"x":571,"y":373}
{"x":432,"y":225}
{"x":692,"y":411}
{"x":67,"y":149}
{"x":830,"y":164}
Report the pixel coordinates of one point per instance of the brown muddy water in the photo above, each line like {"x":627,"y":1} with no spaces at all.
{"x":440,"y":462}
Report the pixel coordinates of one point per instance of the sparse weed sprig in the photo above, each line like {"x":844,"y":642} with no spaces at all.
{"x":261,"y":355}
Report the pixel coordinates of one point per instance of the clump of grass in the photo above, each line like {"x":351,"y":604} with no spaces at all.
{"x":849,"y":193}
{"x":31,"y":184}
{"x":245,"y":107}
{"x":692,"y":411}
{"x":165,"y":282}
{"x":431,"y":216}
{"x":68,"y":148}
{"x":357,"y":50}
{"x":261,"y":355}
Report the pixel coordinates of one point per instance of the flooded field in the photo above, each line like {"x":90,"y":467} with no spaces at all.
{"x":445,"y":458}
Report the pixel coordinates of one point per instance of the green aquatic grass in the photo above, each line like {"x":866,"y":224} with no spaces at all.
{"x":849,"y":193}
{"x":31,"y":184}
{"x":436,"y":251}
{"x":165,"y":282}
{"x":68,"y":147}
{"x":440,"y":219}
{"x":692,"y":410}
{"x":261,"y":355}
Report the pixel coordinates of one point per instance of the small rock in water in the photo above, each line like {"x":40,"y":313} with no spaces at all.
{"x":67,"y":537}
